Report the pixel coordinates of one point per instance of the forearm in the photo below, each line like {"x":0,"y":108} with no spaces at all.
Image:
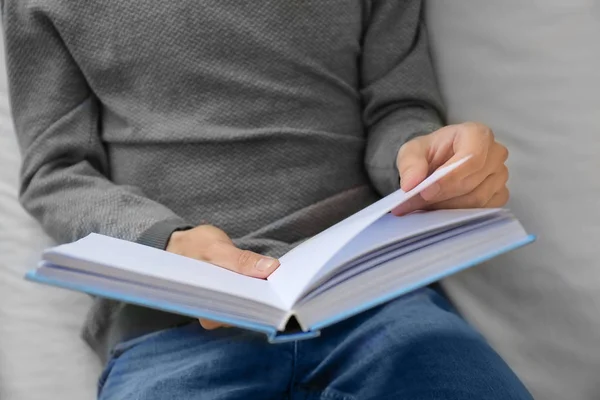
{"x":400,"y":91}
{"x":72,"y":202}
{"x":388,"y":135}
{"x":64,"y":178}
{"x":65,"y":187}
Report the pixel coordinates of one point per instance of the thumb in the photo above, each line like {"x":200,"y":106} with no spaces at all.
{"x":244,"y":262}
{"x":413,"y":166}
{"x":210,"y":325}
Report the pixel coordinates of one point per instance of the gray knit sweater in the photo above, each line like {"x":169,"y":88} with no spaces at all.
{"x":270,"y":119}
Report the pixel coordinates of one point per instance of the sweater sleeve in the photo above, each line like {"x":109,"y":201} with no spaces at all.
{"x":64,"y":175}
{"x":399,"y":89}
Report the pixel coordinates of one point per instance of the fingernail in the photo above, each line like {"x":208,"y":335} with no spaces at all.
{"x":430,"y":192}
{"x":265,"y":264}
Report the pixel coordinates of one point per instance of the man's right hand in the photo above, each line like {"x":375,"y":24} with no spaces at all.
{"x":211,"y":244}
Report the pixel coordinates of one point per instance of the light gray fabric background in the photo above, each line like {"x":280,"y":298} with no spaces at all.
{"x":529,"y":69}
{"x":41,"y":353}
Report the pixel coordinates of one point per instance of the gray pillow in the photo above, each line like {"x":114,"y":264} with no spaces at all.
{"x":531,"y":70}
{"x":41,"y":353}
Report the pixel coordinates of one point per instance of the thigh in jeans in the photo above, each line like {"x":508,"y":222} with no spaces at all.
{"x":190,"y":362}
{"x":415,"y":347}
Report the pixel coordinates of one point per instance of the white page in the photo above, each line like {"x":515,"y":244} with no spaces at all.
{"x":137,"y":258}
{"x":391,"y":229}
{"x":302,"y":264}
{"x":361,"y":265}
{"x":414,"y":270}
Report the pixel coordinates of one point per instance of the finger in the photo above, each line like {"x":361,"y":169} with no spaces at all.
{"x":481,"y":196}
{"x":478,"y":197}
{"x":210,"y":325}
{"x":452,"y":189}
{"x":245,"y":262}
{"x":495,"y":164}
{"x":412,"y":164}
{"x":474,"y":141}
{"x":413,"y":204}
{"x":499,"y":199}
{"x":498,"y":154}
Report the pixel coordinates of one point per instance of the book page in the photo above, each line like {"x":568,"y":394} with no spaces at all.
{"x":302,"y":264}
{"x":108,"y":256}
{"x":390,"y":229}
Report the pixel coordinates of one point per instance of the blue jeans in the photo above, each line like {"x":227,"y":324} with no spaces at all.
{"x":413,"y":348}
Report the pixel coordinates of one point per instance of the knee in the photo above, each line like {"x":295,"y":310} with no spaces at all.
{"x":422,"y":323}
{"x":421,"y":313}
{"x":419,"y":339}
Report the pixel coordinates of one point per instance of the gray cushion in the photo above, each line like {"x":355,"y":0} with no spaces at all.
{"x":531,"y":70}
{"x":41,"y":354}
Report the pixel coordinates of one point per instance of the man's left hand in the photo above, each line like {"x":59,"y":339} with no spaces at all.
{"x":479,"y":182}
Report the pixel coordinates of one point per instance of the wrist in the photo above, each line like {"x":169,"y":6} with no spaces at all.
{"x":174,"y":243}
{"x":158,"y":235}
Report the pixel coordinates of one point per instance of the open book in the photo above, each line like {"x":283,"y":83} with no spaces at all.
{"x":365,"y":260}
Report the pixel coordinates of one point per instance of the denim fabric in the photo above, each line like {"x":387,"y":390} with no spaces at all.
{"x":413,"y":348}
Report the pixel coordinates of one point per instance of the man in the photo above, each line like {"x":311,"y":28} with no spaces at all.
{"x":229,"y":132}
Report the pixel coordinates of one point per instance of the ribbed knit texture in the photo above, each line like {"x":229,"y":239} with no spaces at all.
{"x":270,"y":119}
